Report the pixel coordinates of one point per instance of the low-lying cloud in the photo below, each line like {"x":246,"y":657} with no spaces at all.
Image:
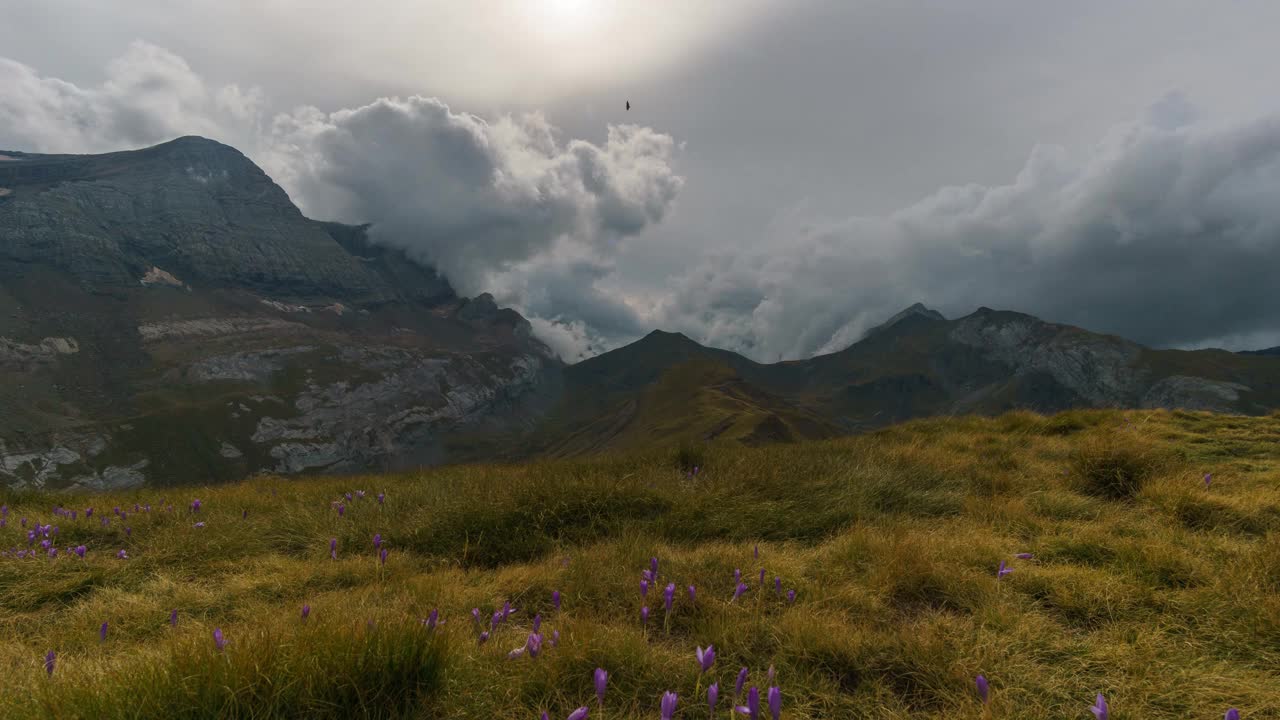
{"x":1167,"y":231}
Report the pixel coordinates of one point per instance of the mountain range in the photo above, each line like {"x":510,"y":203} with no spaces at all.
{"x":168,"y":315}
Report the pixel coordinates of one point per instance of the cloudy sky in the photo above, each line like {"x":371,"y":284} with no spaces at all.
{"x":791,"y":172}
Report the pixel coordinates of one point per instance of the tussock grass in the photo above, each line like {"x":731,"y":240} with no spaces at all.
{"x":1145,"y":585}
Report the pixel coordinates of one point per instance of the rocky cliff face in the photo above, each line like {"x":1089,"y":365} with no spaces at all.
{"x":167,"y":315}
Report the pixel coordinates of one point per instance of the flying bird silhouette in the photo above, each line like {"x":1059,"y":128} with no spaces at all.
{"x":628,"y":104}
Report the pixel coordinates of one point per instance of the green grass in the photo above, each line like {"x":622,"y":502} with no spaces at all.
{"x":1146,"y":585}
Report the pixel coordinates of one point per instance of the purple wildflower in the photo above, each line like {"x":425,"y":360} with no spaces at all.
{"x":306,"y":610}
{"x":342,"y":509}
{"x":173,"y":617}
{"x":382,"y":557}
{"x":244,"y":514}
{"x":48,"y":662}
{"x":102,"y":633}
{"x":693,"y":593}
{"x":775,"y":703}
{"x":360,"y":494}
{"x":761,"y":577}
{"x":483,"y":636}
{"x":752,"y":709}
{"x":1003,"y":570}
{"x":737,"y":593}
{"x":555,"y":638}
{"x":381,"y":497}
{"x":602,"y":681}
{"x":1232,"y":714}
{"x":537,"y":622}
{"x":433,"y":619}
{"x":668,"y":704}
{"x":668,"y":596}
{"x":555,"y":599}
{"x":1099,"y":708}
{"x":757,"y":551}
{"x":348,"y":497}
{"x":1024,"y":556}
{"x":737,"y":686}
{"x":218,"y":641}
{"x":195,"y":505}
{"x":737,"y":575}
{"x":1208,"y":478}
{"x":333,"y":548}
{"x":475,"y":615}
{"x":534,"y":644}
{"x":377,"y":541}
{"x":983,"y":688}
{"x":705,"y":657}
{"x":644,"y":588}
{"x":579,"y":714}
{"x":122,"y":555}
{"x":199,"y":524}
{"x":713,"y":695}
{"x":777,"y":585}
{"x":644,"y":615}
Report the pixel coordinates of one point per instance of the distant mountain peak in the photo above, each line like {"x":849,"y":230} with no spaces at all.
{"x":915,"y":310}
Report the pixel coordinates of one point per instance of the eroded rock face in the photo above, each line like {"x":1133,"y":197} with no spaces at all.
{"x":1194,"y":393}
{"x":197,"y":327}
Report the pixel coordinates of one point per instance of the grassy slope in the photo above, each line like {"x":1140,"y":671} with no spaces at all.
{"x":1167,"y":602}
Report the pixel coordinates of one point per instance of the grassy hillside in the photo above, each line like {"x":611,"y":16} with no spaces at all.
{"x":1146,"y":583}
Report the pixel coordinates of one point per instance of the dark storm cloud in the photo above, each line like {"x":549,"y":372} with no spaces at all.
{"x":1164,"y":232}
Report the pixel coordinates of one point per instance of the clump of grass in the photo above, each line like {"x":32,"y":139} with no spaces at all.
{"x":689,"y":456}
{"x":1114,"y":465}
{"x":319,"y":670}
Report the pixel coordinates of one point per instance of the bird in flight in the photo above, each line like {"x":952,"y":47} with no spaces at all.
{"x":628,"y":104}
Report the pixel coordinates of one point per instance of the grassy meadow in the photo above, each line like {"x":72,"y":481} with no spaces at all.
{"x":1147,"y":583}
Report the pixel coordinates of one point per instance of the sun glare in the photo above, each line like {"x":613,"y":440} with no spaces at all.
{"x":566,"y":15}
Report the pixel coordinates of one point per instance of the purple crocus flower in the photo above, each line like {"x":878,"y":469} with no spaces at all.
{"x":668,"y":704}
{"x":757,"y":551}
{"x":382,"y":557}
{"x":555,"y":599}
{"x":218,"y":641}
{"x":653,"y":566}
{"x":1099,"y":708}
{"x":122,"y":555}
{"x":381,"y":497}
{"x":1024,"y":556}
{"x":644,"y":615}
{"x":475,"y":615}
{"x":777,"y":585}
{"x":1208,"y":478}
{"x":342,"y":509}
{"x":534,"y":644}
{"x":88,"y":513}
{"x":983,"y":688}
{"x":775,"y":702}
{"x":306,"y":610}
{"x":483,"y":636}
{"x":199,"y":524}
{"x":737,"y":593}
{"x":752,"y":709}
{"x":737,"y":575}
{"x":737,"y":686}
{"x":48,"y":662}
{"x":644,"y":588}
{"x":537,"y":622}
{"x":705,"y":657}
{"x":668,"y":596}
{"x":579,"y":714}
{"x":602,"y":681}
{"x":433,"y":619}
{"x":348,"y":496}
{"x":761,"y":577}
{"x":1004,"y":570}
{"x":771,"y":674}
{"x":713,"y":695}
{"x":128,"y":532}
{"x":195,"y":505}
{"x":1232,"y":714}
{"x":244,"y":514}
{"x":377,"y":541}
{"x":333,"y":548}
{"x":360,"y":494}
{"x":173,"y":617}
{"x":555,"y":638}
{"x":693,"y":593}
{"x":507,"y":610}
{"x":102,"y":633}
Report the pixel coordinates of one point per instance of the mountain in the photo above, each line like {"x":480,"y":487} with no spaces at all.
{"x":168,"y":315}
{"x":1265,"y":351}
{"x":916,"y":364}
